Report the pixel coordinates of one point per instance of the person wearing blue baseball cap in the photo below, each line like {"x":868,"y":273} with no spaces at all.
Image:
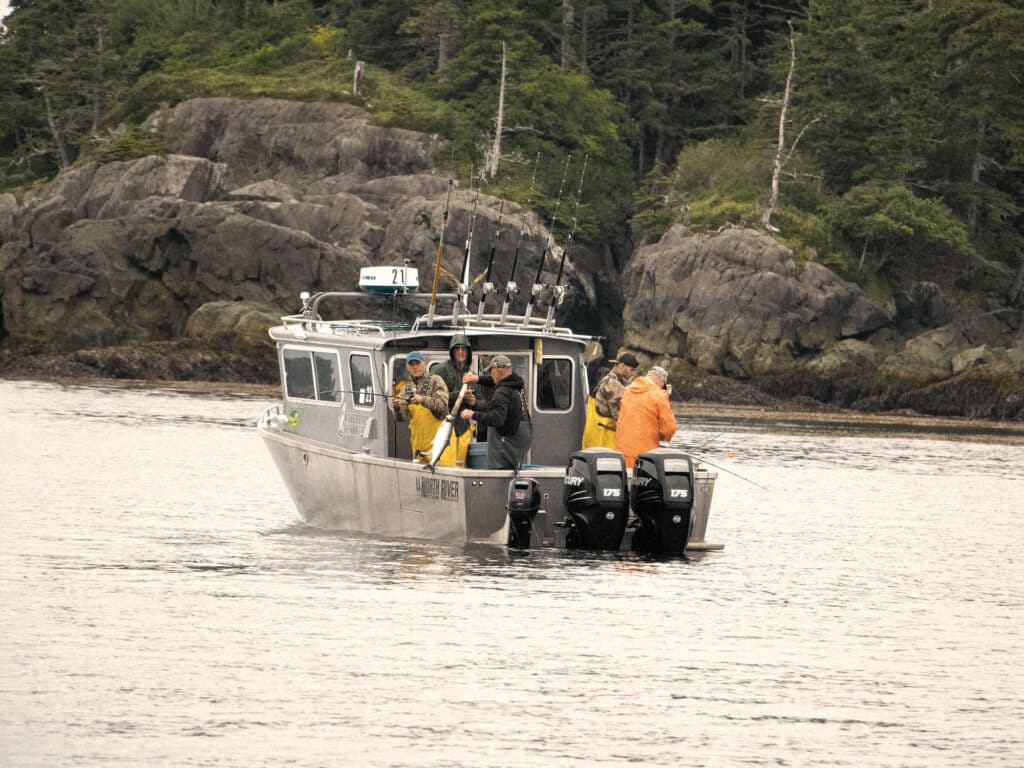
{"x":422,"y":400}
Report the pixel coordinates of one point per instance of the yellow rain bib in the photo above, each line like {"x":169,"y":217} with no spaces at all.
{"x":455,"y":454}
{"x":422,"y":427}
{"x":599,"y":431}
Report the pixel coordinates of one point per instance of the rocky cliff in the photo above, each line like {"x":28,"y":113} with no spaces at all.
{"x":738,"y":305}
{"x":260,"y":200}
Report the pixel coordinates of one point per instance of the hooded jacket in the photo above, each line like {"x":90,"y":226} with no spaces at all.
{"x":645,"y":418}
{"x":504,"y":409}
{"x":451,"y":372}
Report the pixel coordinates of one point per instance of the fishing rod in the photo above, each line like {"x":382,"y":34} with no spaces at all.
{"x":464,"y":275}
{"x":558,"y":291}
{"x":488,"y":286}
{"x":716,"y":466}
{"x":537,"y":287}
{"x":510,"y":287}
{"x":440,"y":253}
{"x":405,"y":394}
{"x":729,"y":471}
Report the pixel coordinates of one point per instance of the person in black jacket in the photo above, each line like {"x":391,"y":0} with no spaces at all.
{"x":507,"y":416}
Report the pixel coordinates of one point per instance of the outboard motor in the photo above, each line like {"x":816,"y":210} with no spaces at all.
{"x":662,"y":500}
{"x":522,"y":504}
{"x":596,"y":503}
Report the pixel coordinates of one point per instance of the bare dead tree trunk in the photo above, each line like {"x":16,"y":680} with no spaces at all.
{"x":58,"y":140}
{"x":357,"y":78}
{"x":773,"y":195}
{"x":568,"y":16}
{"x":492,"y":169}
{"x":442,"y":50}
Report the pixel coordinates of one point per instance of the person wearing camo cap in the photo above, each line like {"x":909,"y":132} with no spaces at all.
{"x":506,"y":415}
{"x":645,"y":416}
{"x":603,"y":408}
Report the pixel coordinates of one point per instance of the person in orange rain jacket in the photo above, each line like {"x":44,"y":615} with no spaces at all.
{"x":645,"y":417}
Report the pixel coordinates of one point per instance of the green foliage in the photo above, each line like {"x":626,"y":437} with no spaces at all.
{"x":808,"y":235}
{"x":890,"y":223}
{"x":735,"y":168}
{"x":125,"y":145}
{"x":913,"y":111}
{"x":713,"y":211}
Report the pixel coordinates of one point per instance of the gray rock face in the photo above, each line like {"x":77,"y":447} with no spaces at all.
{"x":262,"y":200}
{"x":738,"y":304}
{"x":265,"y":199}
{"x":295,"y":143}
{"x":8,"y":209}
{"x":920,"y":308}
{"x":245,"y":317}
{"x":974,"y":340}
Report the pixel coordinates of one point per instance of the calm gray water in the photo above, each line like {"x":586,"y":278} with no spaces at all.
{"x":161,"y":604}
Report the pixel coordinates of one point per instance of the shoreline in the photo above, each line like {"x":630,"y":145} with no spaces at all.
{"x":839,"y":421}
{"x":796,"y":417}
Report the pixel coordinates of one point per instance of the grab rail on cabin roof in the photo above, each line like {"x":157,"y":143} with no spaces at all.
{"x":310,"y":320}
{"x":490,"y":322}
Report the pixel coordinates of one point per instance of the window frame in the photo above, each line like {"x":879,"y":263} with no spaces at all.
{"x":310,"y":350}
{"x":352,"y":386}
{"x":537,"y":384}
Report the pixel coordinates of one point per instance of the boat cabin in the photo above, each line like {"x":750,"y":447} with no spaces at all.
{"x":337,"y":377}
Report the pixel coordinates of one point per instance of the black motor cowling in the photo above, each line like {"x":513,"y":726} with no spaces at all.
{"x":596,"y":502}
{"x":662,"y":500}
{"x":522,"y":504}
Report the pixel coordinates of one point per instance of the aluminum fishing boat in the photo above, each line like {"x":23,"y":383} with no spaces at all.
{"x":348,"y":464}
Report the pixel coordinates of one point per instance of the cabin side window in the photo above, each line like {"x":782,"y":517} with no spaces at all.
{"x":298,"y":374}
{"x":328,"y":387}
{"x":554,"y":384}
{"x":361,"y":372}
{"x":311,"y":374}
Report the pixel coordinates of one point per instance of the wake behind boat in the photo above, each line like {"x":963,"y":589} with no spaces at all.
{"x":348,"y":464}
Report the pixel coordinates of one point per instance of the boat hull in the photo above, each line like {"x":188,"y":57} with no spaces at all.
{"x":337,"y":489}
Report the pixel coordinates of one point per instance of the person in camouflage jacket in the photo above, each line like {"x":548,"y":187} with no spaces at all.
{"x":422,"y":400}
{"x":609,"y":391}
{"x":603,"y":407}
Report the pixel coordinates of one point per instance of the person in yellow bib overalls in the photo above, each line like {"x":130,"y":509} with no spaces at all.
{"x":422,"y":400}
{"x":603,"y":407}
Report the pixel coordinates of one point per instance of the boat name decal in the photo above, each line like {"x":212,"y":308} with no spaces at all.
{"x":438,"y":488}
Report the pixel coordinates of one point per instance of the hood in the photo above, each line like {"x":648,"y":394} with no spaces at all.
{"x":460,"y":340}
{"x":643,"y":385}
{"x":512,"y":381}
